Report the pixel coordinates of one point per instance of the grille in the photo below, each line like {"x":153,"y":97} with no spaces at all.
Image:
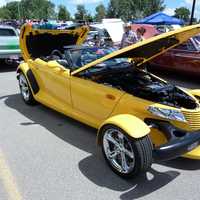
{"x":193,"y":118}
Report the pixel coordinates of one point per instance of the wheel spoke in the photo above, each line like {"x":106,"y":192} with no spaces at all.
{"x":118,"y":150}
{"x":121,"y":138}
{"x":129,"y":153}
{"x":24,"y":87}
{"x":124,"y":163}
{"x":21,"y":83}
{"x":112,"y":154}
{"x":112,"y":140}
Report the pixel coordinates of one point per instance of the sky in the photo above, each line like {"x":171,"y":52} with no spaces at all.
{"x":90,"y":5}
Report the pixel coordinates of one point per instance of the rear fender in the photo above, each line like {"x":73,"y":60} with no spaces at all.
{"x":23,"y":67}
{"x":133,"y":126}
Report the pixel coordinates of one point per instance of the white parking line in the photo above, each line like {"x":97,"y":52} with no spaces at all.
{"x":8,"y":179}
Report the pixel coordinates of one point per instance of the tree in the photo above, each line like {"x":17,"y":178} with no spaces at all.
{"x":100,"y":12}
{"x":63,"y":13}
{"x":10,"y":10}
{"x":37,"y":9}
{"x":26,"y":9}
{"x":182,"y":13}
{"x":4,"y":13}
{"x":82,"y":14}
{"x":153,"y":6}
{"x":134,"y":9}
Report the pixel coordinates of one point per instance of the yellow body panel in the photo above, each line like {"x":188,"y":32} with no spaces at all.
{"x":129,"y":124}
{"x":195,"y":92}
{"x":96,"y":104}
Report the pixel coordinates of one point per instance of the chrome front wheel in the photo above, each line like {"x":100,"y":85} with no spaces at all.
{"x":118,"y":150}
{"x":126,"y":156}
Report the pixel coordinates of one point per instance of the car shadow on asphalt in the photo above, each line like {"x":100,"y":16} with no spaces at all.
{"x":134,"y":188}
{"x":94,"y":167}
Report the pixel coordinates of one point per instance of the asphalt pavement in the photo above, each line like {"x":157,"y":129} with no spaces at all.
{"x":47,"y":156}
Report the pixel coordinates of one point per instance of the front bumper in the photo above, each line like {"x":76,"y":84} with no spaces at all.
{"x":179,"y":142}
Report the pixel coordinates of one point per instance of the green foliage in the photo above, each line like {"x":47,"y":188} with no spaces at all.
{"x":37,"y":9}
{"x":4,"y":13}
{"x":63,"y":13}
{"x":134,"y":9}
{"x":100,"y":12}
{"x":182,"y":13}
{"x":10,"y":11}
{"x":26,"y":9}
{"x":44,"y":9}
{"x":82,"y":14}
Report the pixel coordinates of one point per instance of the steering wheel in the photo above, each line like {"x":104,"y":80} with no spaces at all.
{"x":56,"y":53}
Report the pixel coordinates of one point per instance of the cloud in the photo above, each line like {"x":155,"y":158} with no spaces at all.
{"x":188,"y":4}
{"x":169,"y":11}
{"x":77,"y":2}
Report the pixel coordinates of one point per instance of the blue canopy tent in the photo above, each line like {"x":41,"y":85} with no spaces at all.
{"x":159,"y":19}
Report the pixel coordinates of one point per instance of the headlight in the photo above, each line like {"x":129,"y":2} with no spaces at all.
{"x":167,"y":113}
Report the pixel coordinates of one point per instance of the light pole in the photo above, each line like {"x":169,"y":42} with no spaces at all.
{"x":192,"y":14}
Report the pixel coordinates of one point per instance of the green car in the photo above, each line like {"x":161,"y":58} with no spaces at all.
{"x":9,"y":44}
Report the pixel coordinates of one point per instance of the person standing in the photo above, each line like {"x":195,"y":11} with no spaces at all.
{"x":140,"y":33}
{"x":129,"y":37}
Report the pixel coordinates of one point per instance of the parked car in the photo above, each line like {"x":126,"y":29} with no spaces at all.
{"x":9,"y":44}
{"x":184,"y":58}
{"x":139,"y":116}
{"x":110,"y":31}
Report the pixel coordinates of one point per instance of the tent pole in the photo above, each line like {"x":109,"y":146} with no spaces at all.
{"x":192,"y":14}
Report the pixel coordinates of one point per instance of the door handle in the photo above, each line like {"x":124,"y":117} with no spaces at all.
{"x":110,"y":96}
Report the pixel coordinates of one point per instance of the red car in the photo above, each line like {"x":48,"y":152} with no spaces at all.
{"x":185,"y":58}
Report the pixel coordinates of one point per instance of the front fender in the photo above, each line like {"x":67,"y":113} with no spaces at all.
{"x":132,"y":125}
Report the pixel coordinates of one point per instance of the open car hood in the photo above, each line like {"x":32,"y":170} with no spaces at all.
{"x":148,"y":49}
{"x":38,"y":43}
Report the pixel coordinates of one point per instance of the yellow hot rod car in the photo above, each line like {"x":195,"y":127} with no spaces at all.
{"x":140,"y":117}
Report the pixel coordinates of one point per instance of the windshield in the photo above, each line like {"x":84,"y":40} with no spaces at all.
{"x":81,"y":57}
{"x":7,"y":32}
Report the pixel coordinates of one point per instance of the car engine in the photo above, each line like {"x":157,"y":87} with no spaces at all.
{"x":144,"y":85}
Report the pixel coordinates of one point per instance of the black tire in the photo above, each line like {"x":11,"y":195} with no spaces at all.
{"x":28,"y":99}
{"x":142,"y":149}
